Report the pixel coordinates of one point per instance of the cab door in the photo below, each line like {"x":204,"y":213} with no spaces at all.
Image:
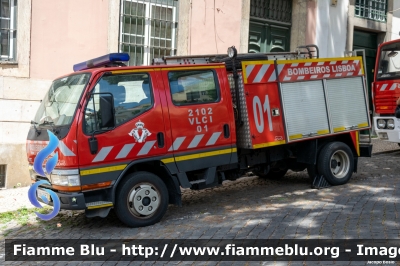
{"x":201,"y":117}
{"x":139,"y":124}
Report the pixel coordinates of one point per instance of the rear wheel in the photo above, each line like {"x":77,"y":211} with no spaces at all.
{"x":336,"y":163}
{"x":142,"y":199}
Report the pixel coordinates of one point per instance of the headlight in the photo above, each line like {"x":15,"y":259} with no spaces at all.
{"x":66,"y":178}
{"x":390,"y":124}
{"x":381,"y":123}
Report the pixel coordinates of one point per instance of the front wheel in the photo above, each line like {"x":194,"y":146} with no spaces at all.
{"x":142,"y":199}
{"x":336,"y":163}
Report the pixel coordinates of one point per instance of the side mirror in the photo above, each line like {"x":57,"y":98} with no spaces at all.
{"x":107,"y":111}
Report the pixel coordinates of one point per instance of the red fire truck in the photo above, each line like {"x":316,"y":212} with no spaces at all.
{"x":386,"y":90}
{"x":131,"y":137}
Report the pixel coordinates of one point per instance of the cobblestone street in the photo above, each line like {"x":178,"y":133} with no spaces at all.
{"x":365,"y":208}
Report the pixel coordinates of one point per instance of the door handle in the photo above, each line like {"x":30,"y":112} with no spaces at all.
{"x":227,"y":133}
{"x":160,"y":139}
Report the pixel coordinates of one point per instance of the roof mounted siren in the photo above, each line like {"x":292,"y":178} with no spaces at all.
{"x":109,"y":60}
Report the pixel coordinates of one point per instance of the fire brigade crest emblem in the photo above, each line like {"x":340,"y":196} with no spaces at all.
{"x":140,"y":133}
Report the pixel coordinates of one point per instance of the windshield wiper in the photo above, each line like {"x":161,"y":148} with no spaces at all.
{"x":50,"y":123}
{"x":34,"y":126}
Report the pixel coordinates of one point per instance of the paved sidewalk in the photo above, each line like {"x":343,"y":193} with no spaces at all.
{"x":15,"y":198}
{"x":252,"y":208}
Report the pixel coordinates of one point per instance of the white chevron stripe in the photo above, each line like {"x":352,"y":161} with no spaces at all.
{"x":393,"y":87}
{"x":213,"y":138}
{"x":332,"y":62}
{"x":65,"y":150}
{"x":338,"y":75}
{"x":294,"y":64}
{"x":286,"y":78}
{"x":125,"y":151}
{"x":195,"y":142}
{"x":300,"y":77}
{"x":261,"y":73}
{"x":102,"y":154}
{"x":320,"y":63}
{"x":146,"y":147}
{"x":280,"y":67}
{"x":327,"y":75}
{"x":177,"y":143}
{"x":249,"y":69}
{"x":314,"y":76}
{"x":308,"y":64}
{"x":350,"y":74}
{"x":345,"y":62}
{"x":383,"y":87}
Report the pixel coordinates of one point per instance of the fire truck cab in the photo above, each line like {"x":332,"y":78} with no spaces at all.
{"x":386,"y":90}
{"x":131,"y":137}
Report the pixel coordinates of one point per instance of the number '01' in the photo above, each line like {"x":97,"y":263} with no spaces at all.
{"x":258,"y":112}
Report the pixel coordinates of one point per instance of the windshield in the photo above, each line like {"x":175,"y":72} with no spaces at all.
{"x":389,"y":62}
{"x":59,"y":104}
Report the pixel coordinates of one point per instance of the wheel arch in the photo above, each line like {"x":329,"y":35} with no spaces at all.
{"x":154,"y":166}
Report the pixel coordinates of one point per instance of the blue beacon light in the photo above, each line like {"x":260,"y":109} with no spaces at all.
{"x":102,"y":61}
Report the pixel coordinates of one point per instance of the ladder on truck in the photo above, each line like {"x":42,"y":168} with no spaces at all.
{"x":302,"y":52}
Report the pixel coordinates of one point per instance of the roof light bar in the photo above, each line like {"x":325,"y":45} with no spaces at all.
{"x":102,"y":61}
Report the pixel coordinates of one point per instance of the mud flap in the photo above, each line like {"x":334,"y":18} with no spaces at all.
{"x":100,"y":212}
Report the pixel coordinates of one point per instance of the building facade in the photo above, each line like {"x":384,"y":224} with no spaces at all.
{"x":41,"y":40}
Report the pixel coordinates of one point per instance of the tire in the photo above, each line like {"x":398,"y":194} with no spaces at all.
{"x":141,"y":200}
{"x":336,"y":163}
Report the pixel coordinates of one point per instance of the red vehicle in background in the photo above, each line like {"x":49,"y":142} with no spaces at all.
{"x":386,"y":90}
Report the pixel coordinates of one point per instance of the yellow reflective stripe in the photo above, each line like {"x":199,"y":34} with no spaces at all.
{"x":296,"y":136}
{"x":337,"y":129}
{"x":358,"y":143}
{"x":188,"y":67}
{"x":363,"y":124}
{"x":268,"y":144}
{"x":198,"y":155}
{"x":168,"y":160}
{"x":321,"y":60}
{"x":100,"y":206}
{"x":261,"y":62}
{"x":103,"y":170}
{"x":134,"y":70}
{"x":204,"y":154}
{"x":323,"y":132}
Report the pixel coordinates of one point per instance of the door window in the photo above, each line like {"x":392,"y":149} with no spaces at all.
{"x":193,"y":87}
{"x":132,"y":96}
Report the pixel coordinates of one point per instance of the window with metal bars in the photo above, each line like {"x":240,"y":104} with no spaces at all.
{"x":276,"y":10}
{"x":2,"y":175}
{"x":147,"y":29}
{"x":371,"y":9}
{"x":8,"y":30}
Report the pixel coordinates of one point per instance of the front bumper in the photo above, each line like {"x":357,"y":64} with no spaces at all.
{"x":68,"y":201}
{"x":391,"y":135}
